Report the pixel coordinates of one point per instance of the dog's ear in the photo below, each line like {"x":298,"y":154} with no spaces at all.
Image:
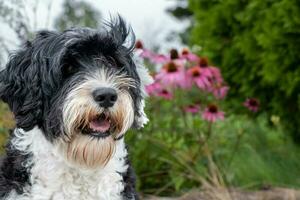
{"x":145,"y":79}
{"x":20,"y":88}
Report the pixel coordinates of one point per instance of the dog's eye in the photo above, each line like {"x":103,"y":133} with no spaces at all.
{"x":68,"y":70}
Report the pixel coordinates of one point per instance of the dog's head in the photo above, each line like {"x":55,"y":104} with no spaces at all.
{"x":82,"y":87}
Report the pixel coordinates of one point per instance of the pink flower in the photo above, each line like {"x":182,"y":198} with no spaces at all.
{"x":153,"y":88}
{"x":252,"y":104}
{"x":186,"y":82}
{"x":212,"y":114}
{"x":213,"y":72}
{"x":220,"y":91}
{"x":186,"y":54}
{"x":156,"y":89}
{"x":159,"y":59}
{"x":165,"y":94}
{"x":144,"y":53}
{"x":216,"y":74}
{"x":199,"y":77}
{"x":172,"y":74}
{"x":194,"y":108}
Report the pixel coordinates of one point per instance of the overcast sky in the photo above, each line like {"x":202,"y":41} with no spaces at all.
{"x":149,"y":18}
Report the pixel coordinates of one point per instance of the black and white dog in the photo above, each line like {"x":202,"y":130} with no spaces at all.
{"x":74,"y":95}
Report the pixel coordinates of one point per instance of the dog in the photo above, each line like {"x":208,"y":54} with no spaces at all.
{"x":74,"y":95}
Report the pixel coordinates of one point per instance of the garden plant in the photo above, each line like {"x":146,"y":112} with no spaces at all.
{"x":194,"y":138}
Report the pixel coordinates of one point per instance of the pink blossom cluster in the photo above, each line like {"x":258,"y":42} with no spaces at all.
{"x":186,"y":71}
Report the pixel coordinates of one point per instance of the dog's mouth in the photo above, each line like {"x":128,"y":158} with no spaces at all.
{"x":99,"y":126}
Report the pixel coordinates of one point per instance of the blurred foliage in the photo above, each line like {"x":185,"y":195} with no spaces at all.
{"x":14,"y":14}
{"x":181,"y":11}
{"x":247,"y":151}
{"x":6,"y":123}
{"x":77,"y":13}
{"x":257,"y":44}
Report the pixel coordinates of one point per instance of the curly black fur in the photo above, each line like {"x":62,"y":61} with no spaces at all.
{"x":129,"y":178}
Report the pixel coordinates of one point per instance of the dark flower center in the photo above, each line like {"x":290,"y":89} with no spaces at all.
{"x":203,"y":62}
{"x":164,"y":92}
{"x":171,"y":67}
{"x":212,"y":108}
{"x":185,"y":52}
{"x":253,"y":102}
{"x":196,"y":73}
{"x":192,"y":106}
{"x":139,"y":45}
{"x":174,"y":54}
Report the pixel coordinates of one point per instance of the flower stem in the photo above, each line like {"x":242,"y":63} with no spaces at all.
{"x":209,"y":131}
{"x":236,"y":147}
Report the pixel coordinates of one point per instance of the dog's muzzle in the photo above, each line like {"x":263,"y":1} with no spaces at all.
{"x":102,"y":124}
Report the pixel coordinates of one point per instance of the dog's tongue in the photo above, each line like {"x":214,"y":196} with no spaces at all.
{"x":100,"y":125}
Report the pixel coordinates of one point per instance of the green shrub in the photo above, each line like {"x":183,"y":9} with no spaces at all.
{"x":257,"y":45}
{"x":247,"y":151}
{"x":6,"y":123}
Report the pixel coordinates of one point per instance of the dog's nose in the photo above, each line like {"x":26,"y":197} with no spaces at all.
{"x":105,"y":97}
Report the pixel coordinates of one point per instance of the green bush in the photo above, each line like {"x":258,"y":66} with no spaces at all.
{"x":6,"y":123}
{"x":247,"y":151}
{"x":257,"y":45}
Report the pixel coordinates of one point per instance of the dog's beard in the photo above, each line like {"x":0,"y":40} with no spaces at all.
{"x":85,"y":143}
{"x":90,"y":152}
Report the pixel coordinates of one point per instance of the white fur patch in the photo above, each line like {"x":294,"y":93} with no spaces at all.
{"x":53,"y":179}
{"x":143,"y":73}
{"x":146,"y":79}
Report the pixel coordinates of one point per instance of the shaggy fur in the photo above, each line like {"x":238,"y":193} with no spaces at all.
{"x":66,"y":144}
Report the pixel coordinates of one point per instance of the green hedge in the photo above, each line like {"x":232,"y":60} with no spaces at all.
{"x":257,"y":45}
{"x":6,"y":123}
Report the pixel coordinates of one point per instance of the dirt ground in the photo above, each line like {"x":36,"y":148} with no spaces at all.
{"x":225,"y":194}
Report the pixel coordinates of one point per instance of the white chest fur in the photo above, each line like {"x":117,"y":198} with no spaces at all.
{"x":53,"y":179}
